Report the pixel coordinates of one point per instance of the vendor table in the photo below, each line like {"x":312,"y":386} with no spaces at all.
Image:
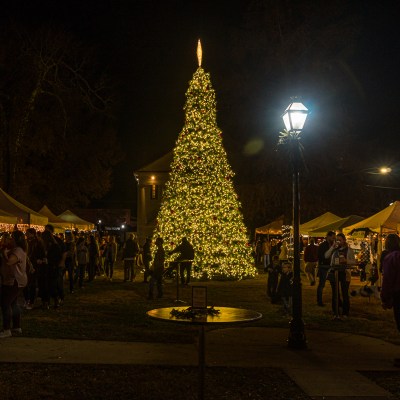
{"x":227,"y":315}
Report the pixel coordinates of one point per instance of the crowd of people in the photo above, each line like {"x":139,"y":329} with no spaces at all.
{"x":34,"y":265}
{"x":331,"y":260}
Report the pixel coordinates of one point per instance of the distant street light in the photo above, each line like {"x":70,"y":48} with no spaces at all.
{"x":372,"y":171}
{"x":294,"y":118}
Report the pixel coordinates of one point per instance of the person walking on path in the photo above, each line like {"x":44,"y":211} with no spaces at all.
{"x":342,"y":255}
{"x":14,"y":279}
{"x":311,"y":260}
{"x":146,"y":259}
{"x":129,"y":254}
{"x":325,"y":250}
{"x":185,"y":259}
{"x":157,"y":270}
{"x":390,"y":292}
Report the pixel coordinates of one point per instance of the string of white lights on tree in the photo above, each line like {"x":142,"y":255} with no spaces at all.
{"x":199,"y":200}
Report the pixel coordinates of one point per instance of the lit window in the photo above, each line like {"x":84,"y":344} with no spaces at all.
{"x":154,"y":192}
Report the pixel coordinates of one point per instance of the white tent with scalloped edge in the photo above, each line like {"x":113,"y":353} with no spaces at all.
{"x":324,"y":219}
{"x":385,"y":221}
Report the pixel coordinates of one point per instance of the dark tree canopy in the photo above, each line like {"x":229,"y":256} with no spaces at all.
{"x":57,"y":131}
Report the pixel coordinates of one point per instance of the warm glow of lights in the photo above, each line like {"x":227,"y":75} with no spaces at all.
{"x":24,"y":227}
{"x":199,"y":200}
{"x":199,"y":52}
{"x":385,"y":170}
{"x":6,"y":227}
{"x":153,"y":177}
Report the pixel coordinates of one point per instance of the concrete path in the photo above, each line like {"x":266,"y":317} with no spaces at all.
{"x":327,"y":369}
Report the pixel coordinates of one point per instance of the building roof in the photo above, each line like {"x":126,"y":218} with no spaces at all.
{"x":162,"y":164}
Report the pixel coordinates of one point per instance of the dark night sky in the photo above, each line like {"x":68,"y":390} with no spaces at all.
{"x":149,"y":48}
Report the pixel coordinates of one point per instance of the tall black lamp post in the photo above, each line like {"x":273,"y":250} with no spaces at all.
{"x":294,"y":118}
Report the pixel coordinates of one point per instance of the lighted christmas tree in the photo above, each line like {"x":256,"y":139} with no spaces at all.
{"x":199,"y":200}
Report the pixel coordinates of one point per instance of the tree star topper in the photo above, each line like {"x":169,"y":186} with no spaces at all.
{"x":199,"y":52}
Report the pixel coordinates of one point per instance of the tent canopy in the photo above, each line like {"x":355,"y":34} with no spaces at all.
{"x":387,"y":220}
{"x":315,"y":223}
{"x":273,"y":228}
{"x":24,"y":214}
{"x":336,"y":225}
{"x":7,"y":218}
{"x":59,"y":224}
{"x":75,"y":222}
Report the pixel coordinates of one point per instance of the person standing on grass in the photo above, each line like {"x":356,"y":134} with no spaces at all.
{"x":82,"y":258}
{"x":14,"y":279}
{"x":266,"y":249}
{"x":35,"y":256}
{"x":311,"y":260}
{"x":129,"y":254}
{"x":390,"y":292}
{"x":345,"y":256}
{"x":325,"y":250}
{"x":285,"y":285}
{"x":273,"y":270}
{"x":53,"y":259}
{"x":185,"y":259}
{"x":93,"y":257}
{"x":157,"y":270}
{"x":102,"y":258}
{"x":146,"y":259}
{"x":70,"y":260}
{"x":111,"y":257}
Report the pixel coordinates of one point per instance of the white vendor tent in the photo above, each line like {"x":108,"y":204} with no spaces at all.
{"x":75,"y":222}
{"x":324,"y":219}
{"x":24,"y":214}
{"x":273,"y":228}
{"x":385,"y":221}
{"x":7,"y":218}
{"x":336,"y":226}
{"x":59,"y":224}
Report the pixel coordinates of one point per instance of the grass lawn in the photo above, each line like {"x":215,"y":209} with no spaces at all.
{"x":116,"y":310}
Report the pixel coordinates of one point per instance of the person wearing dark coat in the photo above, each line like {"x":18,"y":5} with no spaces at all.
{"x":185,"y":259}
{"x":157,"y":270}
{"x":146,"y":259}
{"x":285,"y":286}
{"x":129,"y":254}
{"x":94,"y":254}
{"x":273,"y":269}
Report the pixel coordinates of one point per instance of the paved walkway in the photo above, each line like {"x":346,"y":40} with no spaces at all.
{"x":328,"y":369}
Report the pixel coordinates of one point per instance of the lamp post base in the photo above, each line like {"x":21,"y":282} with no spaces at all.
{"x":297,"y":337}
